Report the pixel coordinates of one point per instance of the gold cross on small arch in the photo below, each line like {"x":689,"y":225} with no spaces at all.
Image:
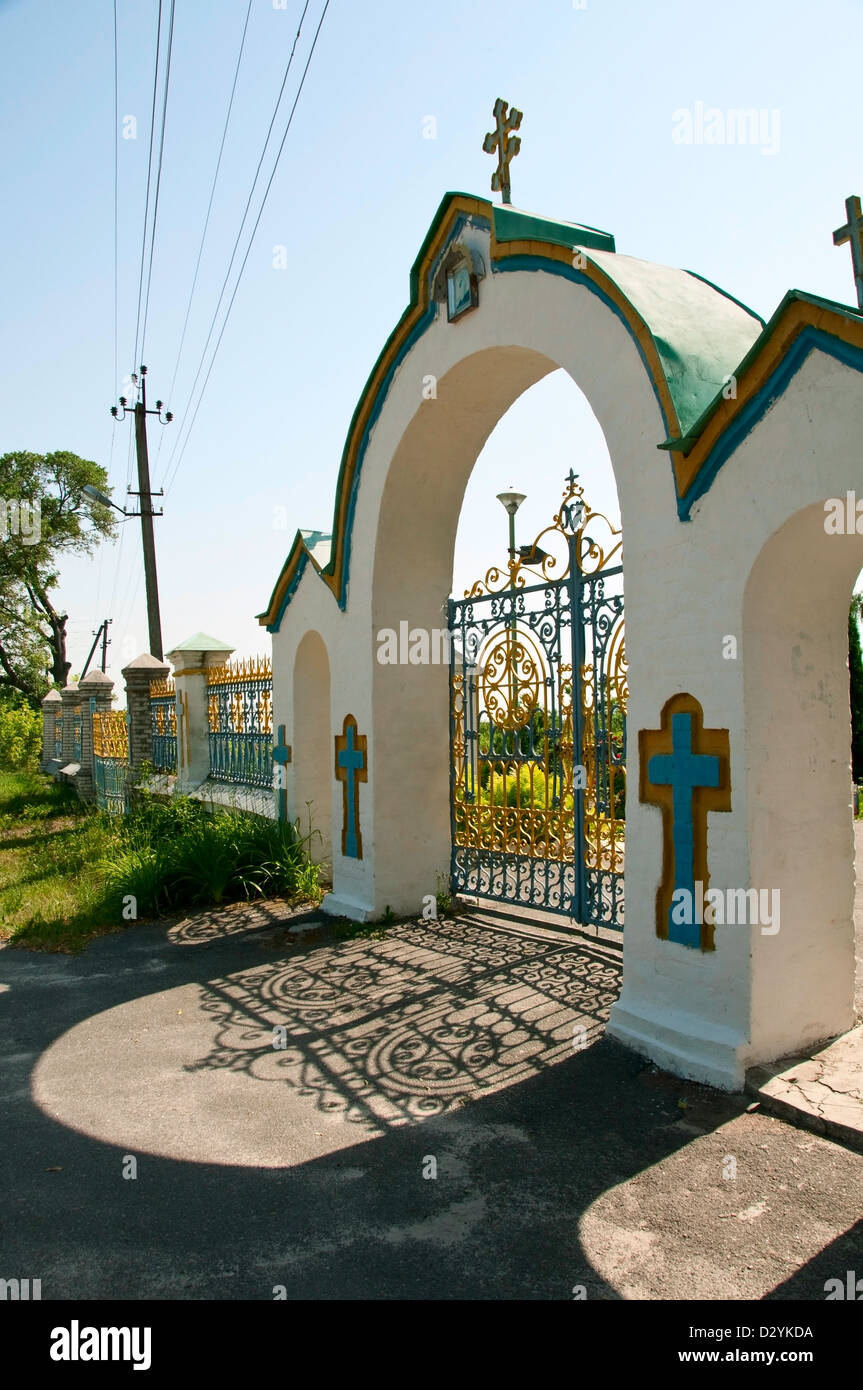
{"x":506,"y":144}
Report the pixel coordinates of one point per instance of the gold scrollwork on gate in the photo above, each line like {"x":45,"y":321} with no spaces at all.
{"x":512,"y":673}
{"x":110,"y":734}
{"x":512,"y":751}
{"x":518,"y":763}
{"x":547,"y":560}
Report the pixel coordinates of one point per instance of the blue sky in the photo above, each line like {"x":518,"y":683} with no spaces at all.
{"x":355,"y":191}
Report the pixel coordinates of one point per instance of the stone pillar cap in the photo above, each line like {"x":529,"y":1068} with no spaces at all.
{"x":146,"y":663}
{"x":200,"y":642}
{"x":97,"y":678}
{"x":52,"y":696}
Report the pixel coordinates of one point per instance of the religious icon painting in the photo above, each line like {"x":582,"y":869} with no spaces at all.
{"x":462,"y":292}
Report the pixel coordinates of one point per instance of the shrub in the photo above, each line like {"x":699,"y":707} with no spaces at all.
{"x":175,"y":854}
{"x":20,"y":736}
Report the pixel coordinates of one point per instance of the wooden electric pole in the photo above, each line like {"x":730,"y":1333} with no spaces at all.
{"x":145,"y":495}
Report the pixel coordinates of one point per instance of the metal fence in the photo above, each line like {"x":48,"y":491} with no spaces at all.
{"x":240,"y":718}
{"x":58,"y":735}
{"x":111,"y":760}
{"x":77,"y":736}
{"x":163,"y":722}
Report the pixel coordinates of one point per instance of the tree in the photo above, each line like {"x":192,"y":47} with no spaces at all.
{"x":44,"y":515}
{"x":855,"y":666}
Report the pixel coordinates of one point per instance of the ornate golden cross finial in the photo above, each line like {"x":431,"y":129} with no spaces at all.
{"x":852,"y":232}
{"x":507,"y":146}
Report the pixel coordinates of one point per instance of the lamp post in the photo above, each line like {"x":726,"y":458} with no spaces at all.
{"x":511,"y":501}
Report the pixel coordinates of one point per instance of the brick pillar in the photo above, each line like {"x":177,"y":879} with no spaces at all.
{"x":191,"y":661}
{"x":52,"y":705}
{"x":97,"y":691}
{"x":71,"y":697}
{"x":137,"y":675}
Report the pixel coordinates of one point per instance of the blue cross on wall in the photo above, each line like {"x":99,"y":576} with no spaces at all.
{"x":351,"y":768}
{"x":687,"y":779}
{"x":281,"y":758}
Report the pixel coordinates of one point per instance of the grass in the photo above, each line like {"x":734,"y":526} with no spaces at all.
{"x":68,"y":873}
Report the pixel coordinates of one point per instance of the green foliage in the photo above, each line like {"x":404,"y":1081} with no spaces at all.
{"x":28,"y":797}
{"x":183,"y":856}
{"x":20,"y":735}
{"x":443,"y":896}
{"x":32,"y":630}
{"x":359,"y":931}
{"x":72,"y":879}
{"x":526,"y":790}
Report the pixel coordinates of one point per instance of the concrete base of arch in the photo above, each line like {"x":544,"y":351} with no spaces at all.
{"x":683,"y":1045}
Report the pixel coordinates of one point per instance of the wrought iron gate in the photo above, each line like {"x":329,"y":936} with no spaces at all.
{"x":538,"y":697}
{"x":110,"y":759}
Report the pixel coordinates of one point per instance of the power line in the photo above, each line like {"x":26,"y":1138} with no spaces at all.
{"x":158,"y":175}
{"x":206,"y":221}
{"x":116,"y":215}
{"x":209,"y":205}
{"x":250,"y":241}
{"x":245,"y":215}
{"x":149,"y":175}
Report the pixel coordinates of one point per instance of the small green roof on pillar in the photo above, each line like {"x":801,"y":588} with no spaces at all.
{"x":200,"y":642}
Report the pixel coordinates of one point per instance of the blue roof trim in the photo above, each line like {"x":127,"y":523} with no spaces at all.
{"x":755,"y":410}
{"x":290,"y":591}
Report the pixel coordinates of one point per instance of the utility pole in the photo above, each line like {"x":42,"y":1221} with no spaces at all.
{"x":101,"y":631}
{"x":145,"y":496}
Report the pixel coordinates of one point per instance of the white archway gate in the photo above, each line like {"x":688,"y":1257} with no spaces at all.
{"x":705,"y":477}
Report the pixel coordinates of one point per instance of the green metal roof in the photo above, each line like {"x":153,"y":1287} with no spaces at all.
{"x":511,"y":224}
{"x":701,"y":333}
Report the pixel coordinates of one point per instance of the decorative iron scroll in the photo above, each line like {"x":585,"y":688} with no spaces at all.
{"x":163,"y":724}
{"x":240,"y":717}
{"x":597,"y":548}
{"x":538,"y":777}
{"x":111,"y":760}
{"x":110,"y":734}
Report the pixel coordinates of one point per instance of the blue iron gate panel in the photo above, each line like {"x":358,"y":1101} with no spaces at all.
{"x":163,"y":725}
{"x":537,"y":722}
{"x":240,"y":714}
{"x":77,"y":736}
{"x":111,"y":760}
{"x":58,"y":735}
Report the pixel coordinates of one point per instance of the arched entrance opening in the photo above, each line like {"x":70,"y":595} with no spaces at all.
{"x":312,"y":772}
{"x":413,"y":579}
{"x":800,"y":799}
{"x":538,"y":672}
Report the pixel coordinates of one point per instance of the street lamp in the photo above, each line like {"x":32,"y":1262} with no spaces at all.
{"x":93,"y":492}
{"x":511,"y":501}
